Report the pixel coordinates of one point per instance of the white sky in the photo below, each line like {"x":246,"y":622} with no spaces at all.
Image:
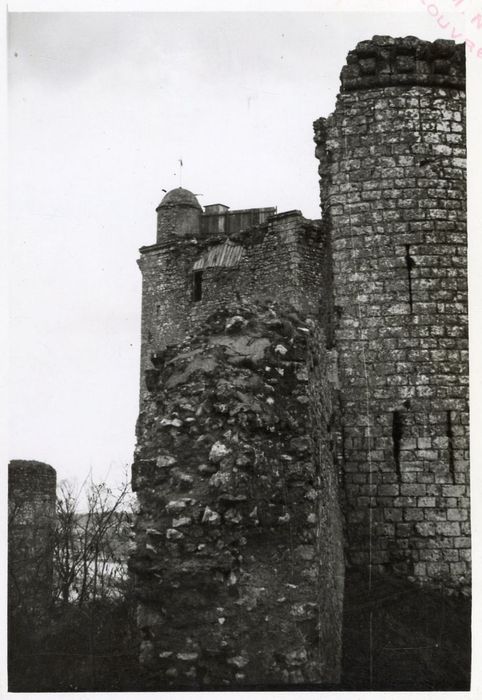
{"x":101,"y":107}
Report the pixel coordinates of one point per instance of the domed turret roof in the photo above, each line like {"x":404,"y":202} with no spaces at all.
{"x":180,"y":197}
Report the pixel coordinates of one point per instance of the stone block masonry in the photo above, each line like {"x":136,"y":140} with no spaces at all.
{"x":392,"y":169}
{"x":239,"y":561}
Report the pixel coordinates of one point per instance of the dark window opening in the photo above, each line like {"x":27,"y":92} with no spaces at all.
{"x":197,"y":285}
{"x":410,"y":263}
{"x":450,"y":436}
{"x":397,"y":434}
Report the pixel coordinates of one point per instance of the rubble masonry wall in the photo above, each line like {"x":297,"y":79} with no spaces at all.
{"x":239,"y":561}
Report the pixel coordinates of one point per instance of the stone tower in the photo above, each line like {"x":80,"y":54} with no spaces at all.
{"x":31,"y":524}
{"x":204,"y":259}
{"x":392,"y":169}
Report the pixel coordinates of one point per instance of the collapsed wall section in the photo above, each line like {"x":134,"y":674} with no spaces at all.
{"x":184,"y":281}
{"x":239,"y":562}
{"x":392,"y":168}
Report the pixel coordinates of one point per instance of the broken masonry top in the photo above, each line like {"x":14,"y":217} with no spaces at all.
{"x":385,"y":62}
{"x":31,"y":475}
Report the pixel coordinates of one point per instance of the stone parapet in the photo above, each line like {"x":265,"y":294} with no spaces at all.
{"x":384,"y":61}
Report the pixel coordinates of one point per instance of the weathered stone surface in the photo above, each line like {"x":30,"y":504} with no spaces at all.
{"x":233,"y":565}
{"x":218,"y":451}
{"x":31,"y":527}
{"x":393,"y":179}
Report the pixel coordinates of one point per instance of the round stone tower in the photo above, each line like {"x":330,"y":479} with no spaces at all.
{"x":31,"y":524}
{"x":392,"y":168}
{"x":178,"y":215}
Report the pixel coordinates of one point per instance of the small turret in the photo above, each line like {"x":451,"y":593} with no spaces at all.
{"x":178,"y":216}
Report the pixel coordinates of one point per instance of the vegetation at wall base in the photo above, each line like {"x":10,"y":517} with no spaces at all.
{"x":420,"y":641}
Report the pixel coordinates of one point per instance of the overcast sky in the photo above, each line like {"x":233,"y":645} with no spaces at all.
{"x":101,"y":107}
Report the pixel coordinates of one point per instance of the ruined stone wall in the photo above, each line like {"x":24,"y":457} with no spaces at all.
{"x":282,"y":259}
{"x":392,"y":168}
{"x":31,"y":523}
{"x":239,"y":562}
{"x":166,"y":299}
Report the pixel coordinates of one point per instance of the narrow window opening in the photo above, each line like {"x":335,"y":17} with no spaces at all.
{"x":450,"y":436}
{"x":329,"y":430}
{"x":197,"y":285}
{"x":397,"y":434}
{"x":410,"y":263}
